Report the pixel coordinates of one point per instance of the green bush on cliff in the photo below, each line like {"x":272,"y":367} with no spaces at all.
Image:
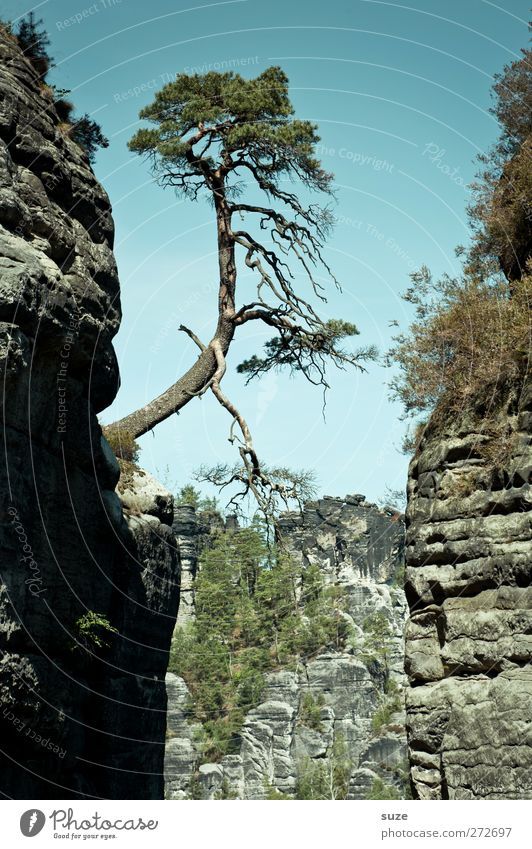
{"x":122,"y":443}
{"x":468,"y":348}
{"x":254,"y":613}
{"x":470,"y":338}
{"x":274,"y":795}
{"x":310,"y":710}
{"x":375,"y":648}
{"x":91,"y":632}
{"x":392,"y":702}
{"x":188,"y":496}
{"x":34,"y":41}
{"x":87,"y":133}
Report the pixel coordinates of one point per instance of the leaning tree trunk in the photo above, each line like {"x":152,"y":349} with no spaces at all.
{"x":181,"y":392}
{"x":199,"y":376}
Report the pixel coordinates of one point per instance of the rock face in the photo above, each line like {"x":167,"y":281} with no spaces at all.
{"x":469,"y":637}
{"x":359,"y":548}
{"x":189,"y":532}
{"x":83,"y":706}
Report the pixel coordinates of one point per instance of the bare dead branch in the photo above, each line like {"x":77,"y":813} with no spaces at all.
{"x":193,"y":336}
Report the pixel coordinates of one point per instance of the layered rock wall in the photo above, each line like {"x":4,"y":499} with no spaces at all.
{"x":469,"y":637}
{"x":358,"y":548}
{"x":78,"y":718}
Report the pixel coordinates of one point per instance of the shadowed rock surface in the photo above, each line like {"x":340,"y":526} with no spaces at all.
{"x":469,"y":637}
{"x":359,"y":548}
{"x":77,"y":719}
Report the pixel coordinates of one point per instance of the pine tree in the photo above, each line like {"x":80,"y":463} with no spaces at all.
{"x":217,"y":135}
{"x":88,"y":134}
{"x":34,"y":42}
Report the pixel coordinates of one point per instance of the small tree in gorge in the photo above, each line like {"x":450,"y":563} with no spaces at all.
{"x":214,"y":134}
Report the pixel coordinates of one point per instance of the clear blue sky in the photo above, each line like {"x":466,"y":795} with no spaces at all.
{"x":400,"y":93}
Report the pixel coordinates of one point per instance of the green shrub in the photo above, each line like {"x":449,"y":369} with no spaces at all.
{"x":376,"y":644}
{"x":207,"y":508}
{"x":64,"y":109}
{"x":310,"y":710}
{"x":87,"y":133}
{"x":470,"y":338}
{"x":311,"y":782}
{"x":399,"y":576}
{"x":319,"y":623}
{"x":34,"y":41}
{"x":89,"y":631}
{"x":188,"y":496}
{"x":195,"y":790}
{"x":273,"y":795}
{"x":225,"y":792}
{"x":382,"y":716}
{"x":122,"y":443}
{"x":468,"y":348}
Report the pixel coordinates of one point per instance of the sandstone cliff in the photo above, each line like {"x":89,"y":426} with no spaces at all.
{"x":359,"y":548}
{"x":468,"y":640}
{"x":83,"y":703}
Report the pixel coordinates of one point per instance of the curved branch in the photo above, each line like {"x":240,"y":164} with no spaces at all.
{"x":252,"y":475}
{"x":194,"y":382}
{"x":193,"y":336}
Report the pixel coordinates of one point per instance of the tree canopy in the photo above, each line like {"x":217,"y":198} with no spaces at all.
{"x":214,"y":124}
